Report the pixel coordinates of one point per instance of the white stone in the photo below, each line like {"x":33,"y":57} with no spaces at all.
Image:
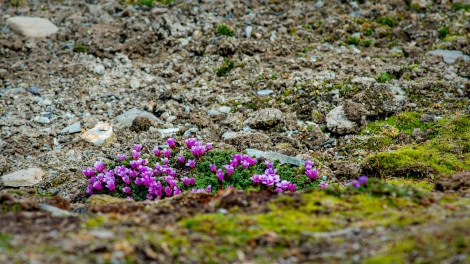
{"x":337,"y":122}
{"x":42,"y":120}
{"x":100,"y":134}
{"x":225,"y":109}
{"x":27,"y":177}
{"x":31,"y":26}
{"x":99,"y":69}
{"x":168,"y":132}
{"x":134,"y":84}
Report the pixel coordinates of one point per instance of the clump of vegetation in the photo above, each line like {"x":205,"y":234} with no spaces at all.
{"x":443,"y":32}
{"x":385,"y":77}
{"x":226,"y":67}
{"x":448,"y":152}
{"x":353,"y":41}
{"x":80,"y":48}
{"x":366,"y":43}
{"x":388,"y":21}
{"x":459,"y":6}
{"x":224,"y":30}
{"x":146,"y":3}
{"x":167,"y":173}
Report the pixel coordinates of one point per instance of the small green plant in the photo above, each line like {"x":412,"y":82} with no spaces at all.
{"x":385,"y":77}
{"x":459,"y":6}
{"x":367,"y":43}
{"x":443,"y":32}
{"x":369,"y":31}
{"x":80,"y":48}
{"x":147,"y":3}
{"x":388,"y":21}
{"x":225,"y":68}
{"x":353,"y":41}
{"x":224,"y":30}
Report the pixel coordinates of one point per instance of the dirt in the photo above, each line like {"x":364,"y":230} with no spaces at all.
{"x":171,"y":60}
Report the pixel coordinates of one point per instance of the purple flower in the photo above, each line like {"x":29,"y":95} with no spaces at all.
{"x":167,"y":153}
{"x":209,"y":189}
{"x":126,"y":190}
{"x":168,"y":191}
{"x":97,"y":185}
{"x":111,"y":186}
{"x":181,"y":159}
{"x":157,"y":151}
{"x":356,"y":184}
{"x":245,"y":164}
{"x":229,"y":169}
{"x":191,"y":163}
{"x":311,"y":173}
{"x":234,"y":163}
{"x":256,"y":178}
{"x":176,"y":190}
{"x":362,"y":180}
{"x":237,"y":157}
{"x":269,"y":164}
{"x":89,"y":189}
{"x":188,"y":181}
{"x":323,"y":185}
{"x":121,"y":157}
{"x":88,"y":172}
{"x":278,"y":190}
{"x":135,"y":155}
{"x":126,"y":180}
{"x":213,"y":168}
{"x":137,"y":147}
{"x":220,"y":175}
{"x":292,"y":187}
{"x":190,"y":142}
{"x":284,"y":185}
{"x":99,"y":166}
{"x":198,"y":151}
{"x":308,"y":164}
{"x":208,"y":146}
{"x":171,"y":143}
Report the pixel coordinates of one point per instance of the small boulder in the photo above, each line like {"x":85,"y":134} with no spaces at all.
{"x":243,"y":140}
{"x":337,"y":122}
{"x":101,"y":134}
{"x":264,"y":118}
{"x":27,"y":178}
{"x":128,"y":117}
{"x":31,"y":26}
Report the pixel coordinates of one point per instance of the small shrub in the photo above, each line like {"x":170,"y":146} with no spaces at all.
{"x":385,"y":77}
{"x":225,"y":68}
{"x":224,"y":30}
{"x":459,"y":6}
{"x":388,"y":21}
{"x":353,"y":41}
{"x":367,"y":43}
{"x":443,"y":32}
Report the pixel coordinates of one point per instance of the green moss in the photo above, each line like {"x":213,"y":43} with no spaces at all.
{"x":459,"y":6}
{"x":445,"y":154}
{"x":353,"y":41}
{"x":443,"y":32}
{"x":225,"y":68}
{"x":385,"y":77}
{"x":80,"y":48}
{"x":389,"y":21}
{"x":95,"y":222}
{"x":224,"y":30}
{"x":422,"y":185}
{"x":366,"y":43}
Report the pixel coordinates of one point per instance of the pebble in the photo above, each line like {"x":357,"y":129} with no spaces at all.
{"x":26,"y":178}
{"x":213,"y":112}
{"x":248,"y":31}
{"x":73,"y":128}
{"x":31,"y":26}
{"x":126,"y":118}
{"x":100,"y":134}
{"x":42,"y":120}
{"x":134,"y":84}
{"x":225,"y":109}
{"x":264,"y":92}
{"x":99,"y":69}
{"x":168,"y":132}
{"x":337,"y":122}
{"x":34,"y":90}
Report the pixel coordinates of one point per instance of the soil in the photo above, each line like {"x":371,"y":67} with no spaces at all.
{"x":172,"y":60}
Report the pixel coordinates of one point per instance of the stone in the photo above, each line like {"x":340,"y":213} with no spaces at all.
{"x":264,"y":92}
{"x":274,"y":156}
{"x":168,"y":132}
{"x":34,"y":90}
{"x":126,"y":118}
{"x":244,"y":140}
{"x":225,"y":109}
{"x":73,"y":128}
{"x":337,"y":122}
{"x":264,"y":118}
{"x":99,"y":69}
{"x":141,"y":123}
{"x":449,"y":56}
{"x":54,"y":210}
{"x":26,"y":178}
{"x":134,"y":84}
{"x":31,"y":26}
{"x":101,"y":134}
{"x":213,"y":112}
{"x":42,"y":120}
{"x":103,"y":199}
{"x":248,"y":31}
{"x":354,"y":111}
{"x":381,"y":99}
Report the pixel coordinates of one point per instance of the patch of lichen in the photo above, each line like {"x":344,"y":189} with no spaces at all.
{"x":447,"y":153}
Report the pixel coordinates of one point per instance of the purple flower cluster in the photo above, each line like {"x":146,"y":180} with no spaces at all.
{"x":311,"y":172}
{"x":238,"y":161}
{"x":198,"y":148}
{"x":270,"y":178}
{"x":361,"y":181}
{"x":160,"y":181}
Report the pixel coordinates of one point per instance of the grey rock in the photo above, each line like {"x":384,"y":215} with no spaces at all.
{"x":27,"y":177}
{"x":99,"y":69}
{"x":449,"y":56}
{"x":126,"y":118}
{"x":54,"y":210}
{"x":73,"y":128}
{"x":12,"y":91}
{"x":244,"y":140}
{"x":274,"y":156}
{"x":225,"y":109}
{"x":134,"y":84}
{"x":337,"y":122}
{"x":34,"y":90}
{"x":319,"y":4}
{"x":213,"y":112}
{"x":101,"y":134}
{"x":265,"y":92}
{"x":264,"y":118}
{"x":248,"y":31}
{"x":31,"y":26}
{"x":168,"y":132}
{"x":42,"y":120}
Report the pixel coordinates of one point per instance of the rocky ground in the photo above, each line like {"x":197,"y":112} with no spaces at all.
{"x":375,"y":87}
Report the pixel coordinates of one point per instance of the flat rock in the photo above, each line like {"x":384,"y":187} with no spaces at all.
{"x":27,"y":177}
{"x":73,"y":128}
{"x":126,"y":118}
{"x":42,"y":120}
{"x":264,"y":118}
{"x":31,"y":26}
{"x":274,"y":156}
{"x":337,"y":122}
{"x":243,"y":140}
{"x":449,"y":56}
{"x":264,"y":92}
{"x":168,"y":132}
{"x":100,"y":134}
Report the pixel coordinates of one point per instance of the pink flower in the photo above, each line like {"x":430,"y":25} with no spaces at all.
{"x":137,"y":147}
{"x":308,"y":164}
{"x":311,"y":173}
{"x":229,"y":169}
{"x":126,"y":190}
{"x":89,"y":189}
{"x":176,"y":190}
{"x":209,"y":189}
{"x":234,"y":163}
{"x":99,"y":166}
{"x":157,"y":151}
{"x":269,"y":164}
{"x":181,"y":159}
{"x":220,"y":175}
{"x":190,"y":142}
{"x":88,"y":172}
{"x":213,"y":168}
{"x":167,"y":153}
{"x":292,"y":187}
{"x":323,"y":185}
{"x":121,"y":157}
{"x":135,"y":155}
{"x":168,"y":191}
{"x":171,"y":143}
{"x":191,"y":163}
{"x":256,"y":178}
{"x":208,"y":146}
